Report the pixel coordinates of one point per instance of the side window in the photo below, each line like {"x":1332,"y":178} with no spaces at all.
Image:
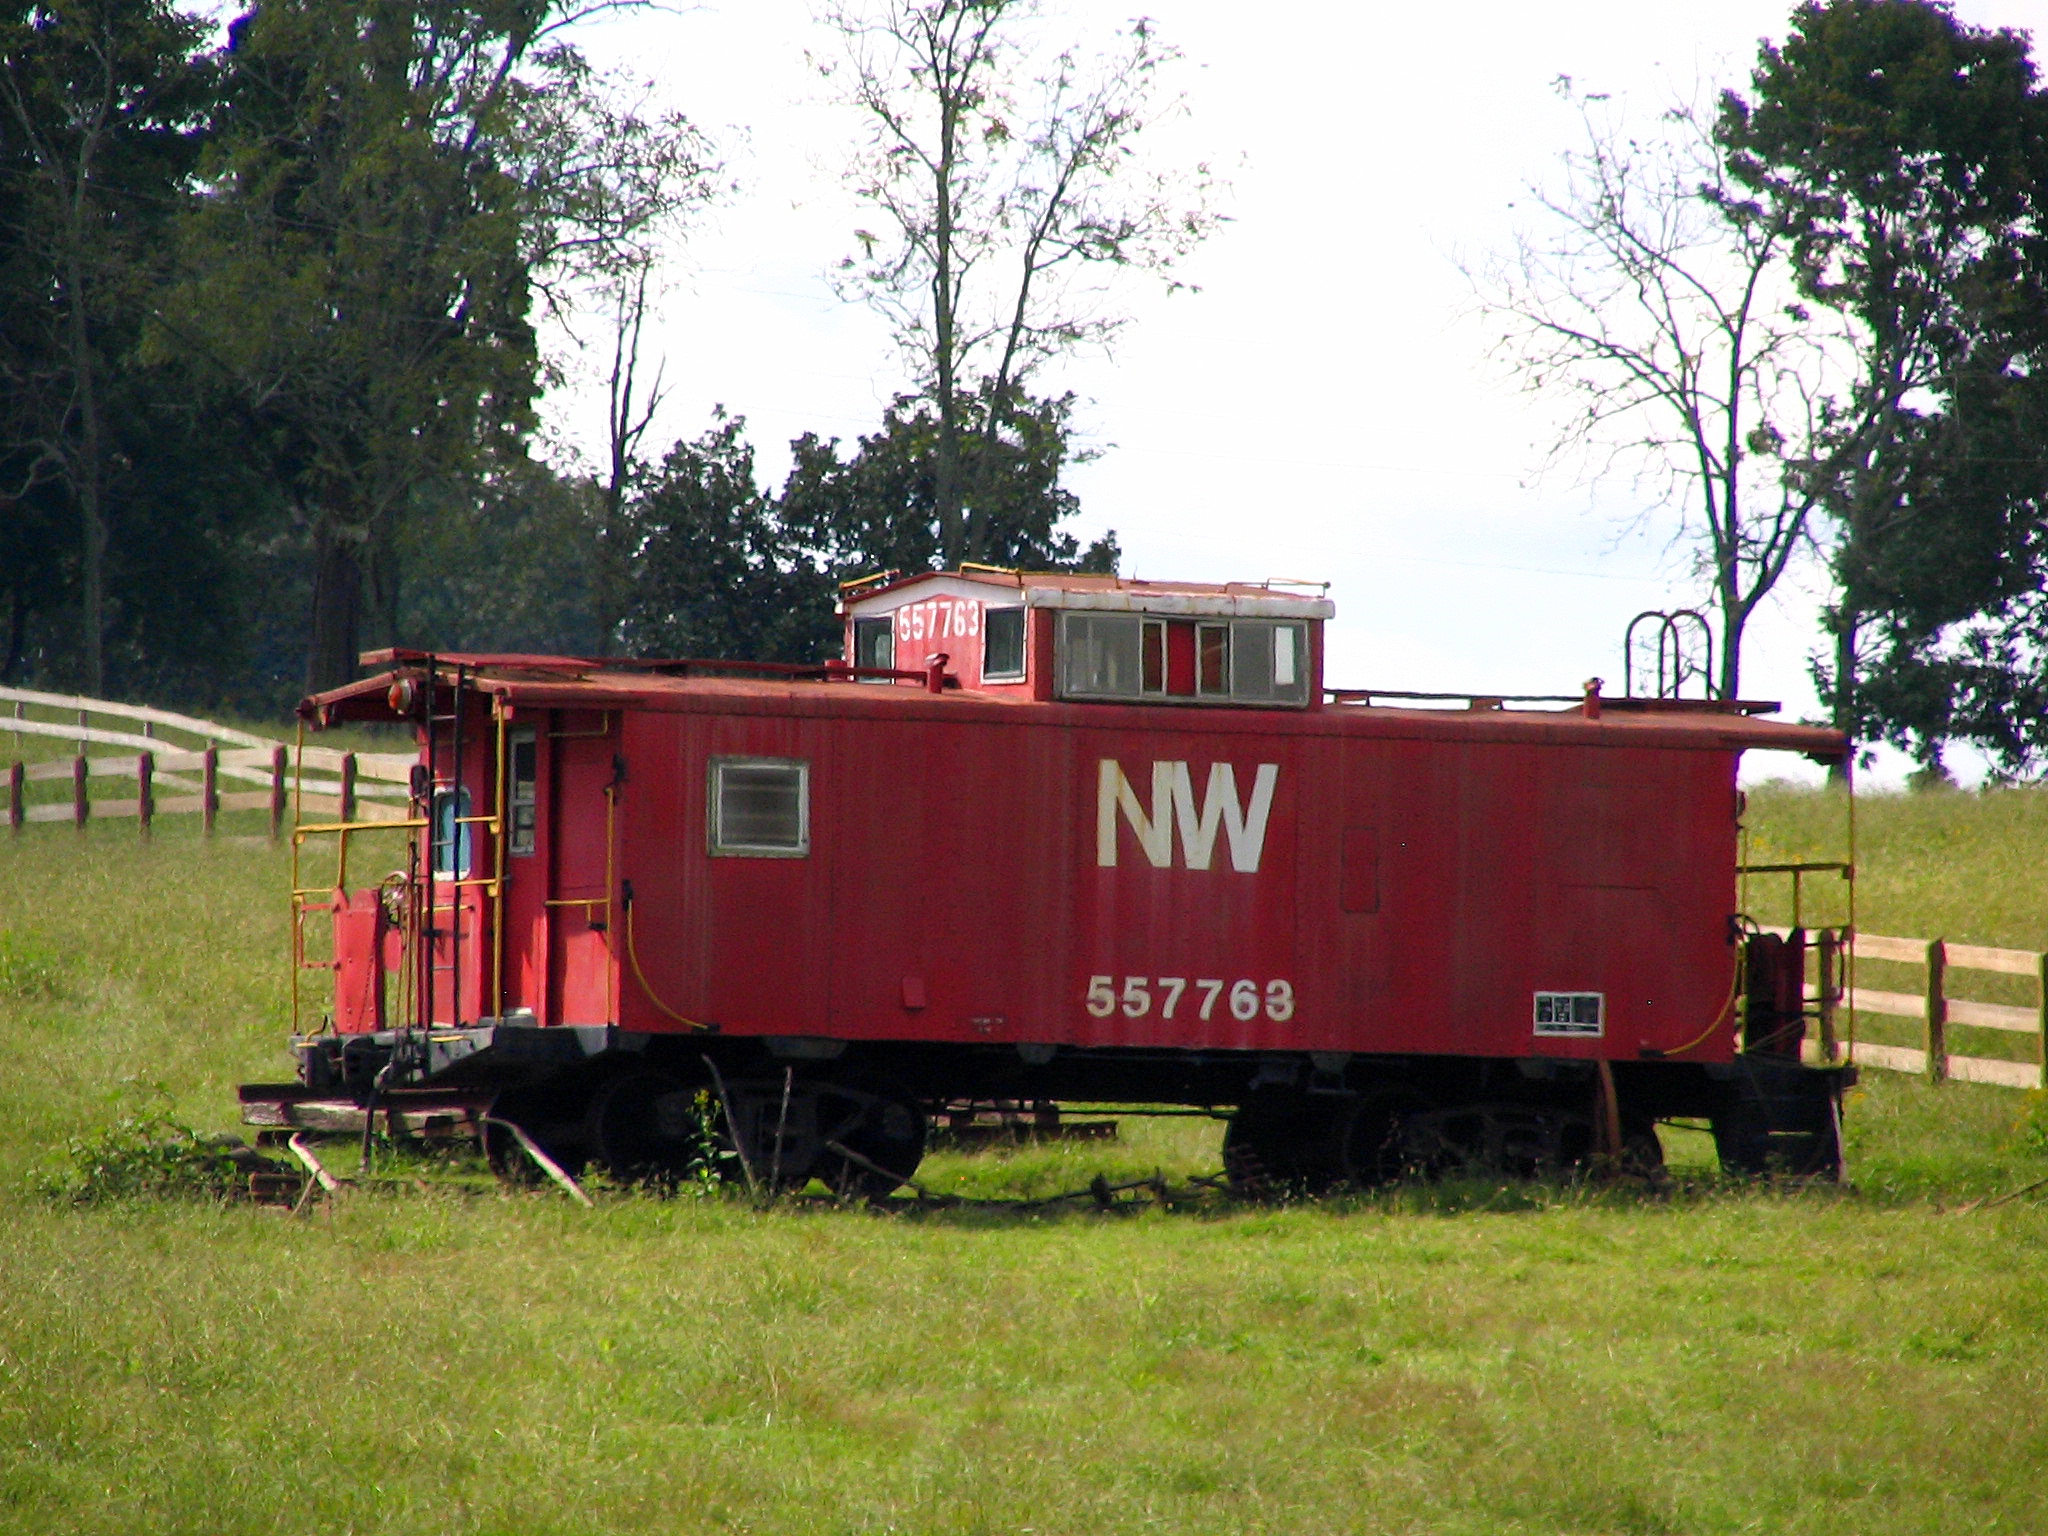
{"x":1212,"y":659}
{"x":1119,"y":656}
{"x":1102,"y":657}
{"x":1153,"y":649}
{"x":1268,"y":661}
{"x":521,"y":788}
{"x":1002,"y":645}
{"x":760,"y":807}
{"x":874,"y":643}
{"x":451,"y":833}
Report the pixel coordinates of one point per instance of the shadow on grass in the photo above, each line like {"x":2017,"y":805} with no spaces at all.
{"x":1446,"y":1197}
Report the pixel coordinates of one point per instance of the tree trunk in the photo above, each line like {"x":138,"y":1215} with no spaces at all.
{"x":17,"y":626}
{"x":384,"y":575}
{"x":946,"y":473}
{"x":609,"y":571}
{"x":84,"y":473}
{"x":946,"y":476}
{"x":1846,"y":623}
{"x":1733,"y":617}
{"x":332,"y":646}
{"x":987,"y":449}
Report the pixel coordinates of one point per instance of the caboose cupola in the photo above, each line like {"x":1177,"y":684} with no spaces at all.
{"x":1059,"y":635}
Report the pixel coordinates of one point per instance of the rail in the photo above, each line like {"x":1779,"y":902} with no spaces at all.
{"x":1936,"y":1009}
{"x":1408,"y":698}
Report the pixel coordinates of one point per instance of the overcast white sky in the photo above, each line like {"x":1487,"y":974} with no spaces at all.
{"x":1324,"y":407}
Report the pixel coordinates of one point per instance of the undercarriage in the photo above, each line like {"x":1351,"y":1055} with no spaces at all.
{"x":780,"y":1111}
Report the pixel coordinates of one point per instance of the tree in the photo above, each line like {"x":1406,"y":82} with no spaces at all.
{"x":1009,"y":192}
{"x":1654,"y":299}
{"x":98,"y":99}
{"x":717,"y":571}
{"x":721,"y":568}
{"x":1903,"y":152}
{"x":1958,"y":649}
{"x":880,"y":508}
{"x":513,"y":566}
{"x":392,"y":185}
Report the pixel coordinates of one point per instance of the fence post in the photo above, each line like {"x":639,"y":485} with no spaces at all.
{"x":2041,"y":1019}
{"x":1828,"y":965}
{"x":16,"y":784}
{"x":348,"y":787}
{"x":1937,"y":1011}
{"x":145,"y":800}
{"x":277,"y":758}
{"x":209,"y":788}
{"x":81,"y":803}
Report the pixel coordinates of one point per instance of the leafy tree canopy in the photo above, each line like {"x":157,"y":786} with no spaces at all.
{"x":721,"y":568}
{"x":1907,"y":154}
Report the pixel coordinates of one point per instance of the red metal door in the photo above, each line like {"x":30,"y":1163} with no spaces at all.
{"x":457,"y":951}
{"x":579,"y":812}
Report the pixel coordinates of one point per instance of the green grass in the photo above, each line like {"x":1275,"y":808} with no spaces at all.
{"x":1953,"y":865}
{"x":1476,"y":1359}
{"x":1949,"y":865}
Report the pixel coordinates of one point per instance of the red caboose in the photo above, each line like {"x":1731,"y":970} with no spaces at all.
{"x":1058,"y":837}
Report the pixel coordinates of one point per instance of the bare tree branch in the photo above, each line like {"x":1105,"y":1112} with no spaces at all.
{"x":1011,"y":201}
{"x":1658,"y":299}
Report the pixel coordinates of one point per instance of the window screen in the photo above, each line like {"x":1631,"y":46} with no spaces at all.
{"x":760,"y":806}
{"x":1102,"y":656}
{"x":1118,"y":656}
{"x":1268,"y":661}
{"x":451,"y":833}
{"x":874,"y":643}
{"x":521,"y":789}
{"x":1002,"y":644}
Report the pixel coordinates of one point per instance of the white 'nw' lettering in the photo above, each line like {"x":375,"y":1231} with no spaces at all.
{"x":1174,"y":808}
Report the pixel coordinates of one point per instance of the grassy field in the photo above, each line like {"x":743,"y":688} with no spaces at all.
{"x":447,"y":1357}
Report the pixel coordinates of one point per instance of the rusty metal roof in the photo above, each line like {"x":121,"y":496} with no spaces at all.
{"x":599,"y":683}
{"x":1278,"y":597}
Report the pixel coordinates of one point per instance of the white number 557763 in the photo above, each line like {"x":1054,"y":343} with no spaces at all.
{"x":1136,"y":998}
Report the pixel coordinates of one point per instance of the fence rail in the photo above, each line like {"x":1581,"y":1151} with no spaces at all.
{"x":366,"y":786}
{"x":1935,"y":1010}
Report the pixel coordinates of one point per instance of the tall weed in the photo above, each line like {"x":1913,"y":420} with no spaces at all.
{"x":148,"y":1154}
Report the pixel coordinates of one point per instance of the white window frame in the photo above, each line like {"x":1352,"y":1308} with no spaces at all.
{"x":714,"y":780}
{"x":1023,"y":645}
{"x":888,"y":620}
{"x":1294,"y":695}
{"x":1295,"y":692}
{"x":1139,"y":623}
{"x":517,"y":845}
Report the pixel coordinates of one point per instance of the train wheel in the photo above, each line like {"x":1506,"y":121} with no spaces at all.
{"x":645,"y":1129}
{"x":884,"y":1131}
{"x":783,"y":1132}
{"x":1642,"y":1153}
{"x":552,"y":1114}
{"x":1372,"y":1141}
{"x":1490,"y":1140}
{"x":1280,"y":1142}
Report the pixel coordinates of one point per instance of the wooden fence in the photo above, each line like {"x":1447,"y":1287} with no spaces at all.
{"x":163,"y":776}
{"x":1935,"y":1008}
